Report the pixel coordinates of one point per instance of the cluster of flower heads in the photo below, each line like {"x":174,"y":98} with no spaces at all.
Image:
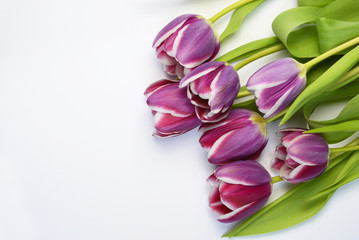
{"x":202,"y":92}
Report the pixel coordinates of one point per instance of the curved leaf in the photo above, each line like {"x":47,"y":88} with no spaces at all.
{"x":292,"y":29}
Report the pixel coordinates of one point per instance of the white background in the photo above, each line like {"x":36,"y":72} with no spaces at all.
{"x":77,"y":159}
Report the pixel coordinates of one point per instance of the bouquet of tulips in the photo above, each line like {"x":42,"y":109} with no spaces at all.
{"x":203,"y":90}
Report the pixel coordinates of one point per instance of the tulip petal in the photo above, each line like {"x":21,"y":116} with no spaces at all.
{"x":245,"y":172}
{"x":233,"y":145}
{"x":277,"y":164}
{"x":274,"y":74}
{"x":170,"y":99}
{"x":169,"y":124}
{"x":170,"y":28}
{"x":302,"y":173}
{"x":236,"y":196}
{"x":195,"y":43}
{"x":242,"y":212}
{"x":199,"y":72}
{"x":206,"y":115}
{"x":224,"y":88}
{"x":155,"y":86}
{"x":308,"y":149}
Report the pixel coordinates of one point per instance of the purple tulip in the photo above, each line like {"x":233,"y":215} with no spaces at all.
{"x":186,"y":42}
{"x":242,"y":135}
{"x":212,"y":88}
{"x":172,"y":111}
{"x":239,"y":189}
{"x":276,"y":85}
{"x":301,"y":156}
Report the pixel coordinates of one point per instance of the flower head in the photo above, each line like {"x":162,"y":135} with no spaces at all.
{"x":239,"y":189}
{"x":301,"y":156}
{"x":242,"y":135}
{"x":172,"y":111}
{"x":276,"y":85}
{"x":186,"y":42}
{"x":212,"y":88}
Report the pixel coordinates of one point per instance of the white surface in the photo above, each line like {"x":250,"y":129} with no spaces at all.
{"x":77,"y":159}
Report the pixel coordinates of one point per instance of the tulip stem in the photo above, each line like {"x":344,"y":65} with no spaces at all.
{"x":276,"y":117}
{"x":258,"y":55}
{"x":344,"y":149}
{"x":228,"y":9}
{"x":331,"y":52}
{"x":243,"y":94}
{"x":276,"y":179}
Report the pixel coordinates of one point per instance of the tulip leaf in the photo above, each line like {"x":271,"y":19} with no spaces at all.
{"x":337,"y":23}
{"x":348,"y":91}
{"x":314,"y":3}
{"x":348,"y":126}
{"x":348,"y":173}
{"x":295,"y":28}
{"x":238,"y":16}
{"x":324,"y":82}
{"x":248,"y":49}
{"x":294,"y":207}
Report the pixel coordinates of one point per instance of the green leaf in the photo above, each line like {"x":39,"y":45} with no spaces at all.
{"x":291,"y":208}
{"x":292,"y":28}
{"x":324,"y":82}
{"x":349,"y":173}
{"x":237,"y":17}
{"x":314,"y":3}
{"x":248,"y":49}
{"x":348,"y":126}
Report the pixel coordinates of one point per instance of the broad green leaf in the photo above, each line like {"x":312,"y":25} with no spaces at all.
{"x":348,"y":126}
{"x":349,"y":173}
{"x":343,"y":10}
{"x":291,"y":208}
{"x":347,"y":91}
{"x":332,"y":33}
{"x":293,"y":28}
{"x":237,"y":17}
{"x":324,"y":82}
{"x":314,"y":3}
{"x":319,"y":69}
{"x":248,"y":49}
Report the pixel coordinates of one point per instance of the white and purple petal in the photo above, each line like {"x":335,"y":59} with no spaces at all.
{"x":245,"y":172}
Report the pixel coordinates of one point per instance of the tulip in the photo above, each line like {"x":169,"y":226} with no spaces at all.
{"x":238,"y":190}
{"x":186,"y":42}
{"x":301,"y":156}
{"x":172,"y":111}
{"x":242,"y":135}
{"x":276,"y":85}
{"x":212,"y":88}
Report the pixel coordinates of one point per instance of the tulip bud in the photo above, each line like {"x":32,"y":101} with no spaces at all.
{"x":185,"y":43}
{"x":212,"y":88}
{"x":239,"y":189}
{"x":172,"y":111}
{"x":276,"y":85}
{"x":301,"y":156}
{"x":242,"y":135}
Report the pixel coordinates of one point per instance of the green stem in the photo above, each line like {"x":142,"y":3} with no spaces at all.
{"x":276,"y":117}
{"x":260,"y":54}
{"x":331,"y":52}
{"x":243,"y":94}
{"x":336,"y":153}
{"x":228,"y":9}
{"x":276,"y":179}
{"x":344,"y":149}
